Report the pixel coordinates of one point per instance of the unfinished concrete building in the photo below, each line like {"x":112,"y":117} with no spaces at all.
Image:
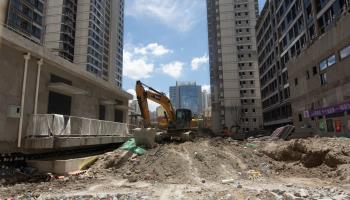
{"x":319,"y":80}
{"x":46,"y":101}
{"x":284,"y":29}
{"x":234,"y":74}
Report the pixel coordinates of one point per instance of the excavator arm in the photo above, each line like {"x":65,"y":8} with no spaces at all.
{"x":155,"y":96}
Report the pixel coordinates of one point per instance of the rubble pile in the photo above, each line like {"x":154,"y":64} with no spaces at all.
{"x":218,"y":159}
{"x":207,"y":168}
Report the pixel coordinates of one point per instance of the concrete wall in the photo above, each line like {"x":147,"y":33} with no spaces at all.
{"x":53,"y":20}
{"x":309,"y":94}
{"x":11,"y":77}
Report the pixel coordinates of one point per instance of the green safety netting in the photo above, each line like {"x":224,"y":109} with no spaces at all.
{"x":130,"y":145}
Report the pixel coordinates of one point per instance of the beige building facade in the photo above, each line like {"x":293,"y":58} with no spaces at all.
{"x":319,"y":80}
{"x":234,"y":77}
{"x":48,"y":102}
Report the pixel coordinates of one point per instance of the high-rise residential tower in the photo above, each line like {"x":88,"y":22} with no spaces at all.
{"x":86,"y":32}
{"x":26,"y":17}
{"x":234,"y":77}
{"x":284,"y":30}
{"x":99,"y":38}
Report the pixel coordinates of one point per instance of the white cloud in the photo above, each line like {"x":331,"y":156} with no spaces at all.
{"x":136,"y":68}
{"x":180,"y":15}
{"x":152,"y":106}
{"x":173,"y":69}
{"x":199,"y":61}
{"x":154,"y":49}
{"x":132,"y":92}
{"x":206,"y":88}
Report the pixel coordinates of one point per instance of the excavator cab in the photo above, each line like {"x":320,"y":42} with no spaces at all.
{"x":183,"y":118}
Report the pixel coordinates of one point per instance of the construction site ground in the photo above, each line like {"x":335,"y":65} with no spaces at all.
{"x":207,"y":168}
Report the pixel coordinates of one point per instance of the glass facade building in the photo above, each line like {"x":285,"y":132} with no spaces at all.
{"x":188,"y":96}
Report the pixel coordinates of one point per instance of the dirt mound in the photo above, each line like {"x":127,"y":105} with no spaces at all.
{"x":311,"y":152}
{"x":212,"y":159}
{"x":217,"y":159}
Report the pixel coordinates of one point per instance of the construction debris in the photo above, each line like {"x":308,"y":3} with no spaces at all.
{"x":208,"y":168}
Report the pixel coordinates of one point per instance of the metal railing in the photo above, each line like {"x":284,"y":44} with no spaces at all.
{"x":45,"y":125}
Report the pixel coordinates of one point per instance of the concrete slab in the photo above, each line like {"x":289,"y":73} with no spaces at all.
{"x":67,"y":166}
{"x":60,"y":167}
{"x":39,"y":143}
{"x":70,"y":142}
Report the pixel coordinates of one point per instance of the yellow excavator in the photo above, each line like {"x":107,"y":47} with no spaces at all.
{"x":179,"y":126}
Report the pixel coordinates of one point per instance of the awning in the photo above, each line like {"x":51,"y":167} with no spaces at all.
{"x":67,"y":89}
{"x":122,"y":107}
{"x":108,"y":102}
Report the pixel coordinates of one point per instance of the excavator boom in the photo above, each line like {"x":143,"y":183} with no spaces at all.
{"x":155,"y":96}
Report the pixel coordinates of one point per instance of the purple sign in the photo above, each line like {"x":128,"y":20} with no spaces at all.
{"x":330,"y":110}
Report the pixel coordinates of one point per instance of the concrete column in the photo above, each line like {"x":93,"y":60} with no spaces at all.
{"x":314,"y":14}
{"x":40,"y":63}
{"x":24,"y":84}
{"x":3,"y":11}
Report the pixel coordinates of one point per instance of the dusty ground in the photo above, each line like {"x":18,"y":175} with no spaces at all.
{"x":317,"y":168}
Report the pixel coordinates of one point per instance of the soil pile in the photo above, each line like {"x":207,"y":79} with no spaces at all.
{"x":217,"y":159}
{"x":311,"y":152}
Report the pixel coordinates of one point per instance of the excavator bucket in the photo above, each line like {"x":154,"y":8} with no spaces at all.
{"x":145,"y":137}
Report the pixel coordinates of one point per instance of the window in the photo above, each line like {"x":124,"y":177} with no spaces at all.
{"x":296,"y":81}
{"x":314,"y":70}
{"x":327,"y":62}
{"x":307,"y":75}
{"x":344,"y":53}
{"x":323,"y":78}
{"x":300,"y":118}
{"x":323,"y":65}
{"x":331,"y":60}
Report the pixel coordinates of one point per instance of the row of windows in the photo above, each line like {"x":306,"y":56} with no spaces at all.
{"x":246,"y":73}
{"x":245,"y":64}
{"x":325,"y":64}
{"x":246,"y":110}
{"x":242,"y":22}
{"x":240,"y":14}
{"x":278,"y":113}
{"x":25,"y":26}
{"x":247,"y":101}
{"x":92,"y":61}
{"x":243,"y":38}
{"x":247,"y":91}
{"x":247,"y":120}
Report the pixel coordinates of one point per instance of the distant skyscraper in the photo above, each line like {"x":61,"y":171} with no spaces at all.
{"x":86,"y":32}
{"x":134,"y":107}
{"x":234,"y":74}
{"x":187,"y":95}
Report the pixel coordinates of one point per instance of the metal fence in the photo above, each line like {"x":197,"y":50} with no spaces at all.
{"x":44,"y":125}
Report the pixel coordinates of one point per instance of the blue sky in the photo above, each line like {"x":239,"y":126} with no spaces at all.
{"x":165,"y":41}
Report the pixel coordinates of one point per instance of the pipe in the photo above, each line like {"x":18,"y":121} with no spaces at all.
{"x":40,"y":63}
{"x":24,"y":84}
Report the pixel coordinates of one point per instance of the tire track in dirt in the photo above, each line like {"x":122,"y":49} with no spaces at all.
{"x":191,"y":167}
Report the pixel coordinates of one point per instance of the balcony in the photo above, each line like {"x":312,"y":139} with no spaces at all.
{"x":50,"y":131}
